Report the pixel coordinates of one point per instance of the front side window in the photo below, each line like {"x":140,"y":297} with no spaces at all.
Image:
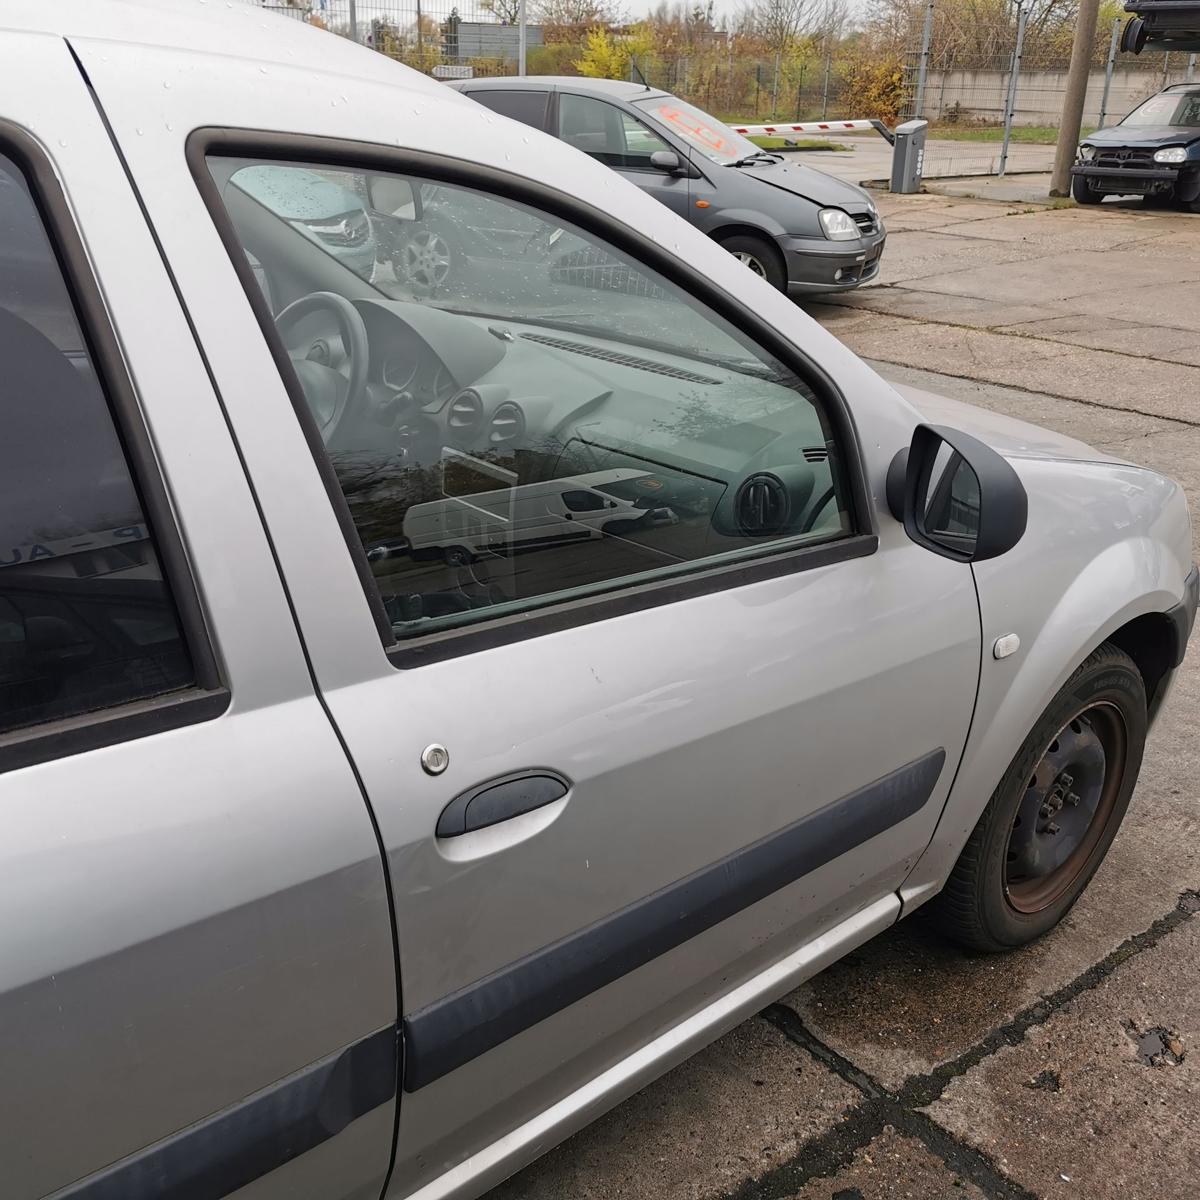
{"x":519,"y":413}
{"x":608,"y":133}
{"x":86,"y":619}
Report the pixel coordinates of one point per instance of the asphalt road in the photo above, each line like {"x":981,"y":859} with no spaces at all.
{"x":909,"y":1069}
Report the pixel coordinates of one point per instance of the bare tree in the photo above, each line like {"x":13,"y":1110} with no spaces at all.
{"x":507,"y":12}
{"x":780,"y":23}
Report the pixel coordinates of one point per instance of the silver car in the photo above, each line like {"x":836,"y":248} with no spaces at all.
{"x":347,"y":855}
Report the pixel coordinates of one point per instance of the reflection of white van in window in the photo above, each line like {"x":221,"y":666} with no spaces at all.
{"x":575,"y":508}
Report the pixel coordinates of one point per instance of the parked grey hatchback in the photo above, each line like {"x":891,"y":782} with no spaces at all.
{"x":433,"y":704}
{"x":802,"y":230}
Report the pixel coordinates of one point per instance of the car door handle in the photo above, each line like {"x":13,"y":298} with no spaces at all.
{"x":501,"y":800}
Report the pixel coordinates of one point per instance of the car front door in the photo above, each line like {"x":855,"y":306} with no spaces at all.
{"x":613,"y":135}
{"x":197,"y":982}
{"x":626,"y":785}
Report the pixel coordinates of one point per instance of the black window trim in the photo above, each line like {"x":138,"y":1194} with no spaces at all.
{"x":437,"y":646}
{"x":208,"y":696}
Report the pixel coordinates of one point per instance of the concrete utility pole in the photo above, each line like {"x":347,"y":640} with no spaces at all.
{"x":1077,"y":81}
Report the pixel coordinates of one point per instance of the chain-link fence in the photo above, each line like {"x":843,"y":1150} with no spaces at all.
{"x":993,"y":92}
{"x":992,"y":89}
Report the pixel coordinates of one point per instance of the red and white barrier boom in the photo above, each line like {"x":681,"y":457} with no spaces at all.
{"x":788,"y":131}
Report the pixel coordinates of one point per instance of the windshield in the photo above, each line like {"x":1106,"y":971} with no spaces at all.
{"x":1167,"y":108}
{"x":717,"y":142}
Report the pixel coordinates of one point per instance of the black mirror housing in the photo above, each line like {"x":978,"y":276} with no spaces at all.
{"x":956,"y":496}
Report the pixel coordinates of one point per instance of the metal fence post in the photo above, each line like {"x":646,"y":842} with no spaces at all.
{"x":1191,"y":68}
{"x":1010,"y":106}
{"x":923,"y":69}
{"x":1166,"y":67}
{"x":1108,"y":69}
{"x":353,"y":21}
{"x":825,"y":90}
{"x":522,"y":37}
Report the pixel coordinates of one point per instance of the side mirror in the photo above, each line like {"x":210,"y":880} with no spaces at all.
{"x":667,"y":161}
{"x":956,"y":496}
{"x":394,"y":196}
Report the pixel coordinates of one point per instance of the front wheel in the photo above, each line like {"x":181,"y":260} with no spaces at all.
{"x":760,"y":256}
{"x":1054,"y":815}
{"x":1082,"y":191}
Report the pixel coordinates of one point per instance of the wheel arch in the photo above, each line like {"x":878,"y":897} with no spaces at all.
{"x":1154,"y":642}
{"x":1112,"y":598}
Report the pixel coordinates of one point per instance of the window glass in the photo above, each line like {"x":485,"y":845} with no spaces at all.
{"x":519,"y":413}
{"x":86,"y":620}
{"x":1176,"y":109}
{"x":716,"y":141}
{"x":607,"y":132}
{"x":527,"y":107}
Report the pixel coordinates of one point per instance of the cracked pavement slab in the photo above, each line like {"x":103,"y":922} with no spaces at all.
{"x":1073,"y":1110}
{"x":911,"y":1069}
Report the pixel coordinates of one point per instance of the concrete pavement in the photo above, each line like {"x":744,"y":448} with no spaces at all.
{"x":1068,"y":1069}
{"x":868,"y":156}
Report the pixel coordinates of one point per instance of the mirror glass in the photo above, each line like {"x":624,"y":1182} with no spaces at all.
{"x":951,"y":505}
{"x":393,"y":195}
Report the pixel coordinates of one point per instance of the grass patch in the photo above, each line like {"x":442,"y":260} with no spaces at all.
{"x":778,"y":143}
{"x":1036,"y":135}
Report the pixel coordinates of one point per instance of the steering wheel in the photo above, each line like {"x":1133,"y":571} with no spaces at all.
{"x":335,"y":394}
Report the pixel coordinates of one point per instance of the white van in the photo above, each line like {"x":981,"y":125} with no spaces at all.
{"x":578,"y":507}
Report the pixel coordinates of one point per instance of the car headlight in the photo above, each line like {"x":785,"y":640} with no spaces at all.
{"x":838,"y":226}
{"x":1171,"y":154}
{"x":1087,"y":152}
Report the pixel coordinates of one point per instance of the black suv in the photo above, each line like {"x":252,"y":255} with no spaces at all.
{"x":1154,"y":153}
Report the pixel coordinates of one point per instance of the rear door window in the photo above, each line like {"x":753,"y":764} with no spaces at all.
{"x":86,"y":617}
{"x":527,"y":107}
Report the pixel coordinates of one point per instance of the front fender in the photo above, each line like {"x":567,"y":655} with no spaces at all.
{"x":1105,"y":543}
{"x":728,"y":220}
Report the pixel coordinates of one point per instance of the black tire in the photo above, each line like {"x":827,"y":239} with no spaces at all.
{"x":457,"y":556}
{"x":980,"y":906}
{"x":760,"y":256}
{"x":1082,"y":192}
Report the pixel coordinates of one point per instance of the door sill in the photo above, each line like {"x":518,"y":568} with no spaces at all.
{"x":525,"y":1143}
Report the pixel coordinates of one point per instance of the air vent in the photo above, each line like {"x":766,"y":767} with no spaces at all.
{"x":624,"y":360}
{"x":815,"y":454}
{"x":762,"y":505}
{"x":865,"y":221}
{"x":466,"y":411}
{"x":507,"y":424}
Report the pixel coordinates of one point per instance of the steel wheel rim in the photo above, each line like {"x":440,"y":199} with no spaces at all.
{"x":748,"y":260}
{"x":1066,"y":808}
